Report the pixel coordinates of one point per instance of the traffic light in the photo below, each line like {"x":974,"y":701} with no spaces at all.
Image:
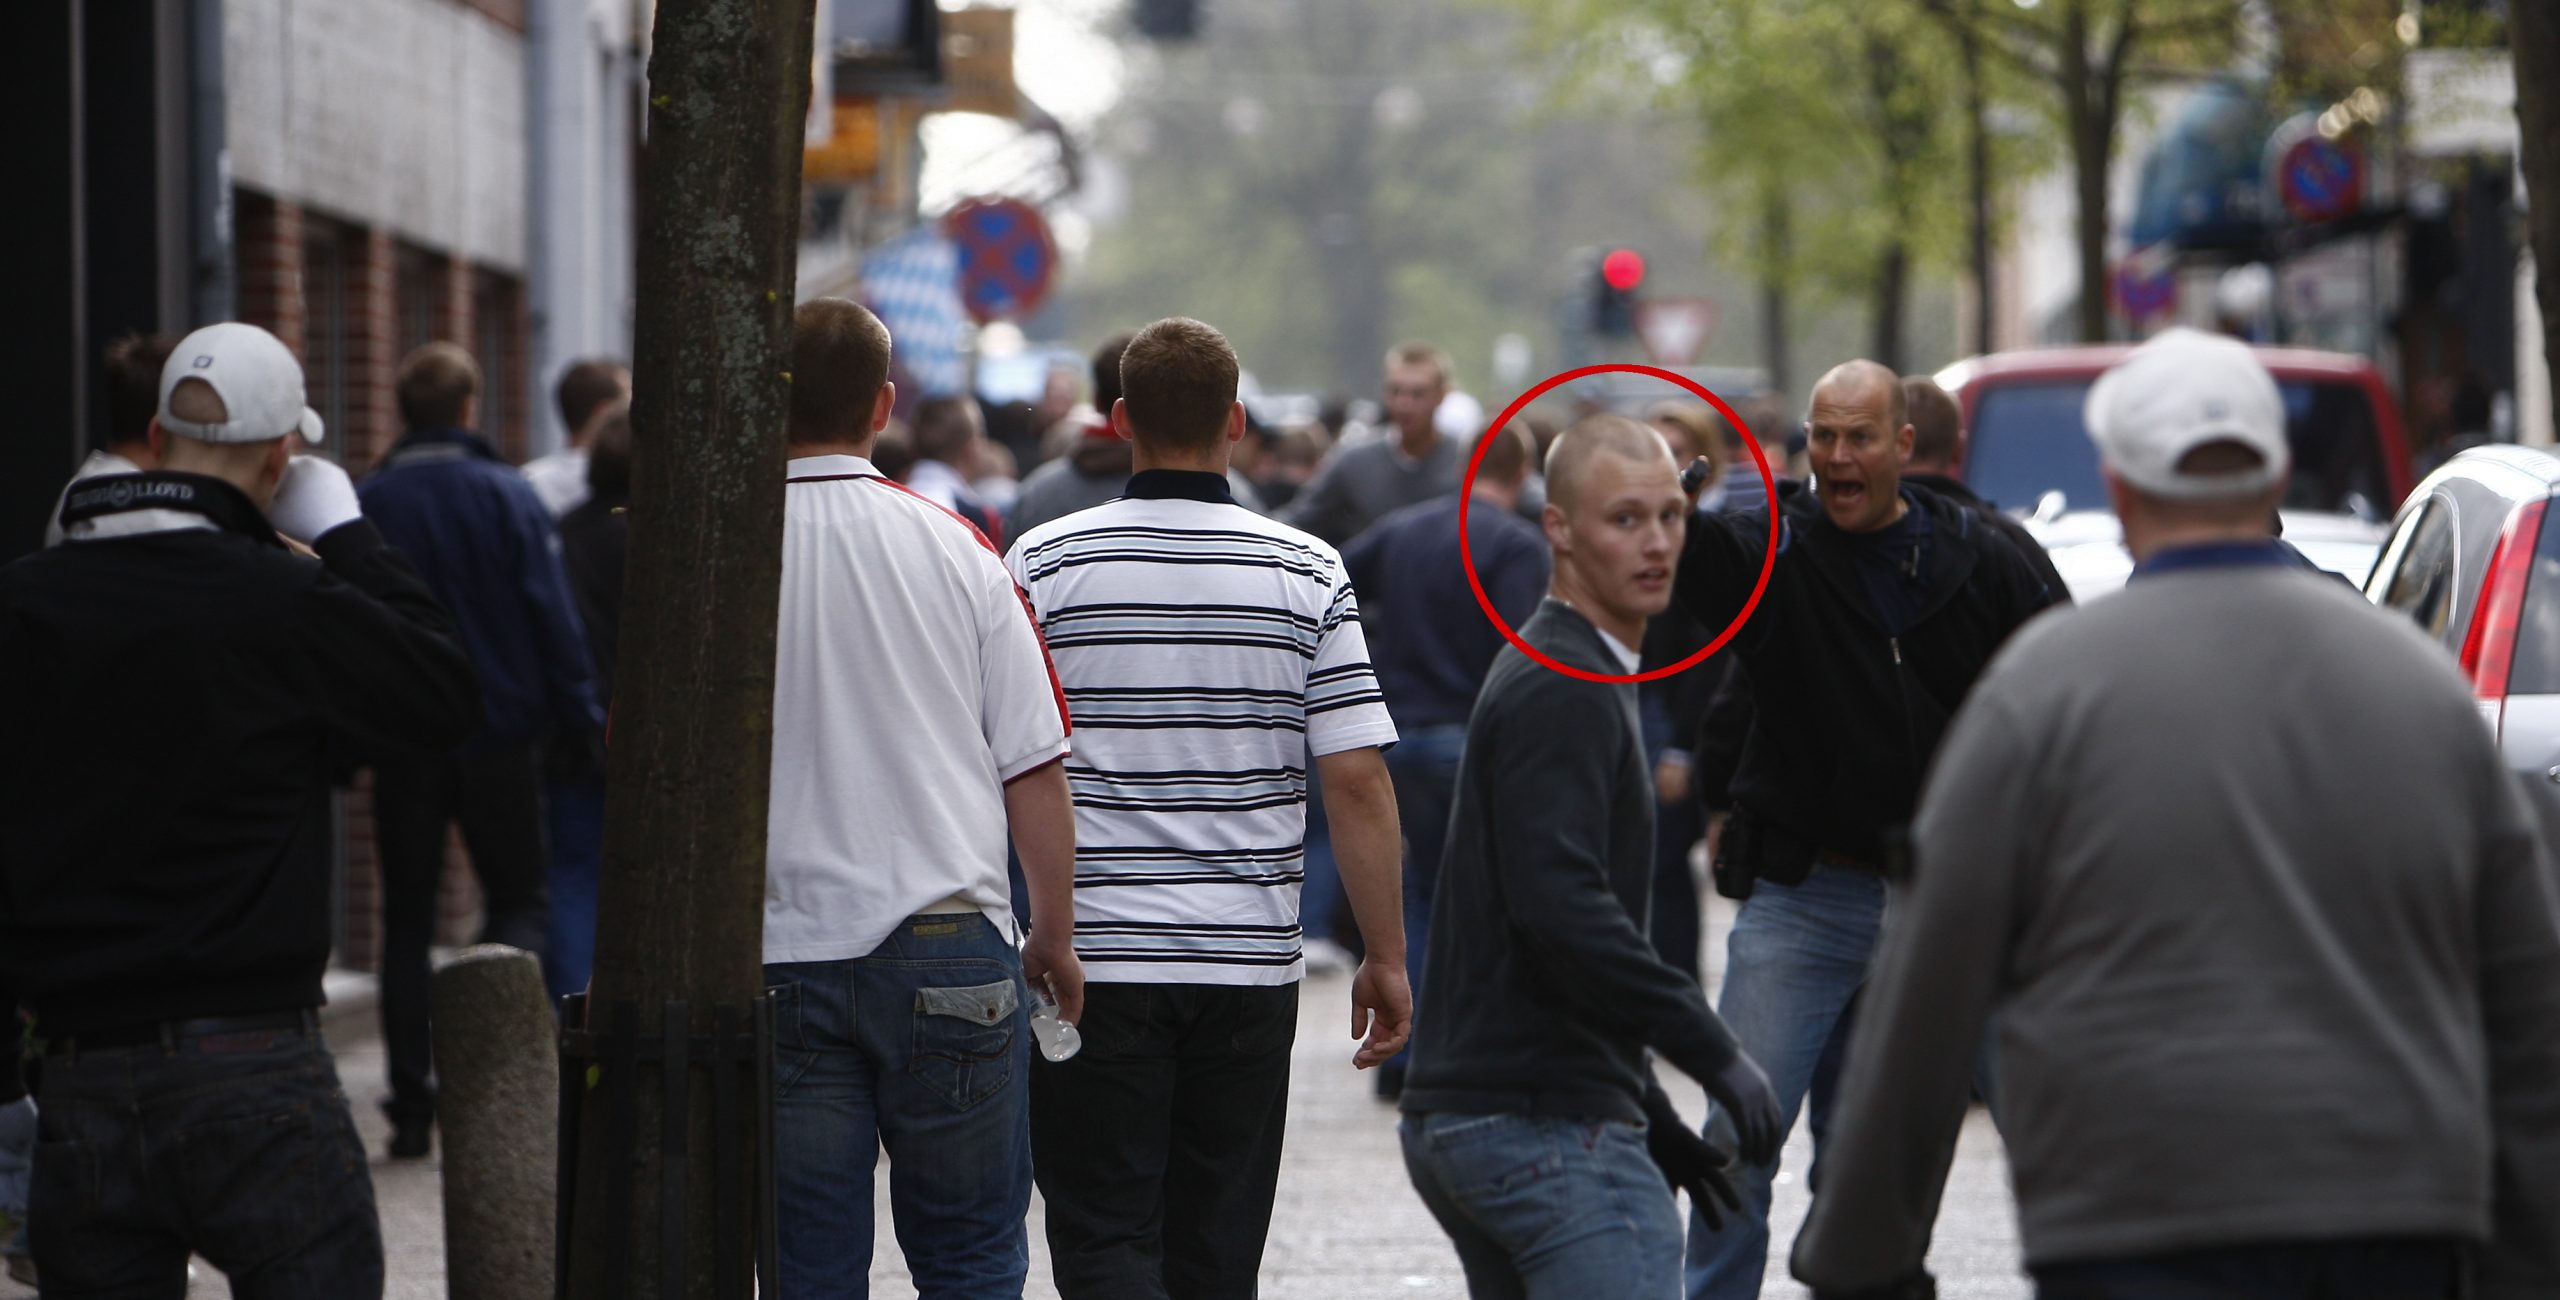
{"x":1617,"y":277}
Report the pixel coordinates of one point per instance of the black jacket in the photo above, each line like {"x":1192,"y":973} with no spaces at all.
{"x":1847,"y":717}
{"x":174,"y":704}
{"x":2005,"y":523}
{"x":1544,"y":990}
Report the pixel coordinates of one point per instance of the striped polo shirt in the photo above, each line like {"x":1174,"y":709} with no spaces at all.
{"x":1205,"y":652}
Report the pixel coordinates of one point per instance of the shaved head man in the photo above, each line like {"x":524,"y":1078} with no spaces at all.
{"x":1546,"y":994}
{"x":1884,"y":603}
{"x":1857,"y":434}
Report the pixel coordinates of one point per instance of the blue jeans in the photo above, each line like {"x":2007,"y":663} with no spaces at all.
{"x":923,"y":1047}
{"x":1424,"y":766}
{"x":576,"y":811}
{"x":239,"y":1149}
{"x":1320,"y":896}
{"x":17,"y":1163}
{"x":1793,"y":963}
{"x":1545,"y":1207}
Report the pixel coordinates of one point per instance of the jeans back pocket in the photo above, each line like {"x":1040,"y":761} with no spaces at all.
{"x":963,"y":1047}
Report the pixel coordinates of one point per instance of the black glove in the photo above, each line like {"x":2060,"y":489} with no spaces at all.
{"x":1918,"y":1286}
{"x":1688,"y":1162}
{"x":1747,"y":1098}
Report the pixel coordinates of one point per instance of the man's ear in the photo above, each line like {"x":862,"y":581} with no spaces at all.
{"x":1559,"y":531}
{"x":1902,"y":444}
{"x":1235,"y":422}
{"x":1120,"y":420}
{"x":279,"y":455}
{"x":157,"y":439}
{"x":882,"y":404}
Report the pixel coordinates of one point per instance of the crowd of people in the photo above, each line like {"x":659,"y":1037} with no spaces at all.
{"x":2217,"y":894}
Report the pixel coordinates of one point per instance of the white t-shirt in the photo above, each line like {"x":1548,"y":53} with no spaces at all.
{"x":560,"y":479}
{"x":1206,"y":652}
{"x":909,"y":686}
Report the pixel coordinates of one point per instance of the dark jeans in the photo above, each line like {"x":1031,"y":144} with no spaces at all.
{"x":1158,"y":1146}
{"x":576,"y":808}
{"x":497,"y":801}
{"x":1424,"y":766}
{"x":240,"y":1150}
{"x":2353,"y":1269}
{"x":922,"y":1046}
{"x":1547,"y":1208}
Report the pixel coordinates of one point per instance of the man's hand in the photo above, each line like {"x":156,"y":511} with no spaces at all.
{"x":1050,"y":962}
{"x":1381,"y":1011}
{"x":1688,"y":1161}
{"x":1671,"y":778}
{"x":1747,"y":1098}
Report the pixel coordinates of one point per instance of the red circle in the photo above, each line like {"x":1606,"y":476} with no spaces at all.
{"x":1623,"y":269}
{"x":1768,"y":561}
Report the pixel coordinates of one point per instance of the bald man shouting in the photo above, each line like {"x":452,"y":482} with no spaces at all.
{"x":1533,"y":1127}
{"x":1886,"y":603}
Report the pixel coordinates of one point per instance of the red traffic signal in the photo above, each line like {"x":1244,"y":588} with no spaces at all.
{"x":1622,"y":269}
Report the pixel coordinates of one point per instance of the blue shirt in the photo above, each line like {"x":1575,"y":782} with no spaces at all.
{"x":2268,"y":554}
{"x":1429,"y":640}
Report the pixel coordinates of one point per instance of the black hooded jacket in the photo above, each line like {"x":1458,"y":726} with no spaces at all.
{"x":1848,"y":716}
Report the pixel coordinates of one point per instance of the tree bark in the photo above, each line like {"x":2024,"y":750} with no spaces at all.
{"x":2534,"y":33}
{"x":1777,"y":249}
{"x":1977,"y":182}
{"x":680,"y":912}
{"x":1893,"y":280}
{"x":2092,"y":134}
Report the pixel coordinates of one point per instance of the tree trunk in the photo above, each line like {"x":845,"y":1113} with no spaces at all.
{"x":1777,"y":250}
{"x":1893,"y":279}
{"x":681,"y":908}
{"x":2092,"y":135}
{"x":2534,"y":32}
{"x":1977,"y":182}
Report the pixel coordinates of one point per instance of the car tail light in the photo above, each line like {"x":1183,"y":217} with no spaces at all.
{"x":2489,"y":649}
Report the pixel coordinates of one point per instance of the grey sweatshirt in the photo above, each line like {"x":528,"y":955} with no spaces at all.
{"x":2262,"y":918}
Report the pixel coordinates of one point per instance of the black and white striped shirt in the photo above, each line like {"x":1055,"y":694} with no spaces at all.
{"x":1206,"y":652}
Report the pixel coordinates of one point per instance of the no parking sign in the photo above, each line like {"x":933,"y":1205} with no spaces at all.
{"x":1006,"y":257}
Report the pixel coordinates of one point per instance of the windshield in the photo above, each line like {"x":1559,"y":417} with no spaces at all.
{"x":2027,"y":439}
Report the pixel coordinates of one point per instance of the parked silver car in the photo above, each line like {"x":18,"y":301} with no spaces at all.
{"x":2473,"y":561}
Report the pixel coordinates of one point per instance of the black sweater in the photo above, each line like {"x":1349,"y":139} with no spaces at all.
{"x":1542,"y":991}
{"x":1846,"y":716}
{"x":174,"y":704}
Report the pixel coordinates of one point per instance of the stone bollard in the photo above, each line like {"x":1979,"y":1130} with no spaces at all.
{"x":499,"y":1076}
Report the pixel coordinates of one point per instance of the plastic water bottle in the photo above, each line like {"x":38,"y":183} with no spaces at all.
{"x":1058,"y":1040}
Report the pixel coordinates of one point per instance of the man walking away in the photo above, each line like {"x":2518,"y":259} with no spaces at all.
{"x":1545,"y":990}
{"x":131,"y":367}
{"x":915,"y":720}
{"x":2274,"y":980}
{"x":169,"y":926}
{"x":589,"y":392}
{"x":1433,"y":646}
{"x":486,"y":547}
{"x":948,"y":434}
{"x":1207,"y":653}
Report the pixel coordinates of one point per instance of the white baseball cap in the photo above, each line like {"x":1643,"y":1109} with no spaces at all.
{"x":2179,"y":391}
{"x":254,"y":374}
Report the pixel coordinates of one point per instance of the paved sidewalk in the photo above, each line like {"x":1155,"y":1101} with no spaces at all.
{"x":1347,"y":1223}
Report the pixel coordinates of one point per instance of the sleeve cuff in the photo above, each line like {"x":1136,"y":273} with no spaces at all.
{"x":1032,"y":762}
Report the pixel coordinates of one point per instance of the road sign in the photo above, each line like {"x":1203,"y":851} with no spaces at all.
{"x":2320,"y":179}
{"x":1006,"y":258}
{"x":1675,"y":330}
{"x":2147,"y":283}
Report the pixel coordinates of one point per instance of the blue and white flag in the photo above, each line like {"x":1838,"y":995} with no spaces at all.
{"x":912,"y":283}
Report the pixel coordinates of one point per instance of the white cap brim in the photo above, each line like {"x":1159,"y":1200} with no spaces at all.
{"x":311,"y":428}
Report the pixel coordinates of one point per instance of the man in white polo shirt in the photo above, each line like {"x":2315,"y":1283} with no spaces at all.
{"x":1207,"y":652}
{"x":914,"y":719}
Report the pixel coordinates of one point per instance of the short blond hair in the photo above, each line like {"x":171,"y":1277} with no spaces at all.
{"x":1415,"y":352}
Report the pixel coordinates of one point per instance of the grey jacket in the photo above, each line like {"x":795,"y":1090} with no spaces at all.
{"x":2263,"y":920}
{"x":1363,"y":484}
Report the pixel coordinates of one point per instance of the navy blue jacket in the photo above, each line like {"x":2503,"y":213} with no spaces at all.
{"x":1430,"y":642}
{"x":483,"y":542}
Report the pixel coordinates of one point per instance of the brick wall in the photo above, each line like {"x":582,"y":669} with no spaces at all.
{"x":268,"y":245}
